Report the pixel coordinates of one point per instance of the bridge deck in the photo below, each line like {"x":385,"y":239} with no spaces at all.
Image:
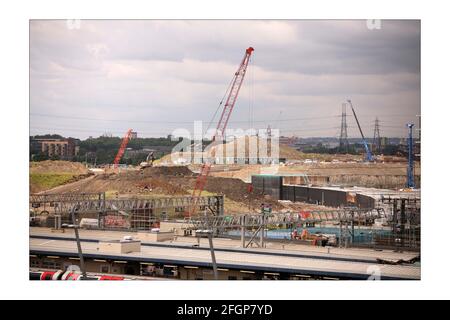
{"x":261,"y":261}
{"x":225,"y":244}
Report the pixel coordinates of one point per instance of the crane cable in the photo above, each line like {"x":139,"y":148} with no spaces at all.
{"x":251,"y":93}
{"x":218,"y":107}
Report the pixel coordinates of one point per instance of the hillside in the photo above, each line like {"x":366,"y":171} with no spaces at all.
{"x":242,"y":147}
{"x":45,"y":175}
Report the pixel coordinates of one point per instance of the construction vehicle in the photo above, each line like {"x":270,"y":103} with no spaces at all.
{"x":148,"y":161}
{"x":122,"y":148}
{"x":220,"y":129}
{"x":313,"y":239}
{"x":369,"y":156}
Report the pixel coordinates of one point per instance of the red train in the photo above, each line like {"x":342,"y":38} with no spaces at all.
{"x":68,"y":275}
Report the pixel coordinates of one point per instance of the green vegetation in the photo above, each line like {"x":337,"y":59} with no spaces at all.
{"x":48,"y":136}
{"x":45,"y":181}
{"x":102,"y":150}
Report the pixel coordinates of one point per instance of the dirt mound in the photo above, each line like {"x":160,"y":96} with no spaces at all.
{"x":125,"y":183}
{"x":57,"y":166}
{"x":290,"y":153}
{"x":236,"y":190}
{"x":242,"y":147}
{"x":169,"y":181}
{"x":167,"y":171}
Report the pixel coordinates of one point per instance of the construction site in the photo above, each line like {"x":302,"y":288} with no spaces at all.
{"x":241,"y":208}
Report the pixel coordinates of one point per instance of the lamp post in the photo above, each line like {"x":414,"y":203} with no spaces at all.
{"x":209,"y":234}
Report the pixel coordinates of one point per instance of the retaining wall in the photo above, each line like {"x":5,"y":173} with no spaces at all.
{"x":274,"y":187}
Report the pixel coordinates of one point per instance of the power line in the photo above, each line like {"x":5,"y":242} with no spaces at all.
{"x":175,"y":122}
{"x":119,"y":132}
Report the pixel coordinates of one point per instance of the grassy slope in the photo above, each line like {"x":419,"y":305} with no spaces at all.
{"x":45,"y":181}
{"x":45,"y":175}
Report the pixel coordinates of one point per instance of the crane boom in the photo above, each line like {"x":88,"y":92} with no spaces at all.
{"x":220,"y":129}
{"x":123,"y":145}
{"x":369,"y":156}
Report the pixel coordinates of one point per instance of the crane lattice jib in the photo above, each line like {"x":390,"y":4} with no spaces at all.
{"x":221,"y":127}
{"x":369,"y":156}
{"x":233,"y":94}
{"x":123,"y":145}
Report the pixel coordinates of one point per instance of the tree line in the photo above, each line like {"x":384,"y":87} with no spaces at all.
{"x":103,"y":149}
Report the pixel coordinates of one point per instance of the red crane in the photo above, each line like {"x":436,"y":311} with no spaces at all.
{"x":123,"y":145}
{"x":220,"y":130}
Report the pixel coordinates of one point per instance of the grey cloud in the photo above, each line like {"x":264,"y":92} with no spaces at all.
{"x":178,"y":71}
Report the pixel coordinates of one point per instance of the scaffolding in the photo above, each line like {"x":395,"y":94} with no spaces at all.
{"x":253,"y":226}
{"x":405,"y":223}
{"x":124,"y":213}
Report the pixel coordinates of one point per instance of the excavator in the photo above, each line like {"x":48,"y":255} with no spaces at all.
{"x":148,"y":161}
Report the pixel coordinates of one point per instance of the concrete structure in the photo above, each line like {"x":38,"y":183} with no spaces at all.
{"x":62,"y":148}
{"x":156,"y":236}
{"x":185,"y":261}
{"x":270,"y":185}
{"x":226,"y":244}
{"x":297,"y":188}
{"x":176,"y":227}
{"x":119,"y":246}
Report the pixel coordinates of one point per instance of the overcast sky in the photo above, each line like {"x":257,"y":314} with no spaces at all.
{"x":156,"y":76}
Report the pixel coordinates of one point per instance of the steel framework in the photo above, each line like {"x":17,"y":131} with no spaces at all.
{"x":405,"y":222}
{"x":65,"y":197}
{"x":343,"y":140}
{"x":410,"y":174}
{"x":256,"y":220}
{"x":96,"y":202}
{"x":376,"y":142}
{"x":254,"y":225}
{"x":131,"y":213}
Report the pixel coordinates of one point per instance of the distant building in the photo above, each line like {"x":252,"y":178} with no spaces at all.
{"x":285,"y":140}
{"x":158,"y":151}
{"x":62,"y":148}
{"x":133,"y":135}
{"x":331,"y":145}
